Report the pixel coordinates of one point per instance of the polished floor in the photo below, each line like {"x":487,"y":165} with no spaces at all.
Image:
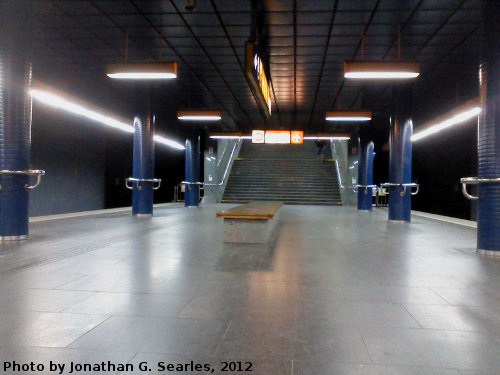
{"x":335,"y":292}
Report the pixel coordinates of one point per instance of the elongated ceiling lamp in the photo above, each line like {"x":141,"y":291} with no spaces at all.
{"x":456,"y":116}
{"x":143,"y":71}
{"x":381,"y":69}
{"x":348,"y":115}
{"x":199,"y":115}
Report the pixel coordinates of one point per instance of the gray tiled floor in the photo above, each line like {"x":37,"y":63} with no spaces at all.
{"x":334,"y":292}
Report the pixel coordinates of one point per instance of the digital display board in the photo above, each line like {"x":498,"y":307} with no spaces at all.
{"x":257,"y":77}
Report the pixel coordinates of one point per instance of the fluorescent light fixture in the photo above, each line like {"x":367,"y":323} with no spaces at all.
{"x":327,"y":138}
{"x":456,"y":116}
{"x":319,"y":136}
{"x":199,"y":115}
{"x":381,"y":69}
{"x":56,"y":101}
{"x":140,"y":71}
{"x":231,"y":137}
{"x":168,"y":142}
{"x":67,"y":104}
{"x":348,"y":115}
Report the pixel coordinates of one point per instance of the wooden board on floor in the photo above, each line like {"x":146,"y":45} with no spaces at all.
{"x":252,"y":210}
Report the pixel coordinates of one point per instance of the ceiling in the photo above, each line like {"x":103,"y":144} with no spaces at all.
{"x":308,"y":41}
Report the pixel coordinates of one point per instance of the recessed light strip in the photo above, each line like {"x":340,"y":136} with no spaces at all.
{"x":70,"y":106}
{"x":327,"y":138}
{"x":456,"y":116}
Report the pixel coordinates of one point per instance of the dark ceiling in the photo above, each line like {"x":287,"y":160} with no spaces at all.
{"x":308,"y":41}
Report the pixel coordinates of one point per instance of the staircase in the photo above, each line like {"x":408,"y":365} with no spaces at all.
{"x":288,"y":173}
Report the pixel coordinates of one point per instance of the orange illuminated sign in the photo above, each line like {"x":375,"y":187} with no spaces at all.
{"x":257,"y":76}
{"x":258,"y":136}
{"x":296,"y":137}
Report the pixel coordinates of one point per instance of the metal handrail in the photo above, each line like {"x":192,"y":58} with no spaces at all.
{"x":138,"y":180}
{"x":356,"y":187}
{"x":403,"y":185}
{"x":475,"y":181}
{"x":34,"y":172}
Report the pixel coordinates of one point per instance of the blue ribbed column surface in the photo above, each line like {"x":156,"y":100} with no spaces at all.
{"x":192,"y":172}
{"x":488,"y":221}
{"x":143,"y":166}
{"x":365,"y":176}
{"x":400,"y":149}
{"x":15,"y":118}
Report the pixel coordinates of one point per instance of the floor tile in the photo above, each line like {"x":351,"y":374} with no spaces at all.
{"x":160,"y":305}
{"x":155,"y":335}
{"x":432,"y":348}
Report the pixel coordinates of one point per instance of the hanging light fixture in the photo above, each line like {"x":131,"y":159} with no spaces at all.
{"x":347,"y":115}
{"x":381,"y":69}
{"x":143,"y":71}
{"x":199,"y":115}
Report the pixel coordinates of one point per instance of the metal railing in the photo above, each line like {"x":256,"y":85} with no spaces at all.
{"x":356,"y":187}
{"x":411,"y":185}
{"x":137,"y":182}
{"x":35,"y":172}
{"x":178,"y":189}
{"x":475,"y":181}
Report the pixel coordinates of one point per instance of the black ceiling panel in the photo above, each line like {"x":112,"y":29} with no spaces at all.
{"x":306,"y":49}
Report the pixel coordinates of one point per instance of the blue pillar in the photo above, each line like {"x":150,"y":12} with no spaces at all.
{"x":15,"y":119}
{"x":192,"y":172}
{"x":401,"y":129}
{"x":365,"y":175}
{"x":143,"y":166}
{"x":488,"y":219}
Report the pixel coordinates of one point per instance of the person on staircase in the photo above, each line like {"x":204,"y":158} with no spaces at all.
{"x":320,"y":149}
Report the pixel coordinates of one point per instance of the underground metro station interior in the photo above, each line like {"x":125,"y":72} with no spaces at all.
{"x":249,"y":186}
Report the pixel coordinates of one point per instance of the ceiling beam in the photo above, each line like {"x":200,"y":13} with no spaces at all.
{"x":325,"y":53}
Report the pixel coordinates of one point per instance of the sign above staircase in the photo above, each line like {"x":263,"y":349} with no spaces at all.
{"x":278,"y":136}
{"x":294,"y":137}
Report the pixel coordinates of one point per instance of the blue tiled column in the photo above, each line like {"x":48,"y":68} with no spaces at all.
{"x":488,"y":219}
{"x":15,"y":119}
{"x":192,"y":171}
{"x":143,"y":166}
{"x":365,"y":176}
{"x":400,"y":148}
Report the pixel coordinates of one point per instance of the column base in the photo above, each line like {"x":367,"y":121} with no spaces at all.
{"x":143,"y":215}
{"x":15,"y":238}
{"x":399,"y":221}
{"x":493,"y":253}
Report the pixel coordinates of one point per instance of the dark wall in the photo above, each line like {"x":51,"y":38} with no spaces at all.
{"x":87,"y":163}
{"x":72,"y":154}
{"x":439,"y":163}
